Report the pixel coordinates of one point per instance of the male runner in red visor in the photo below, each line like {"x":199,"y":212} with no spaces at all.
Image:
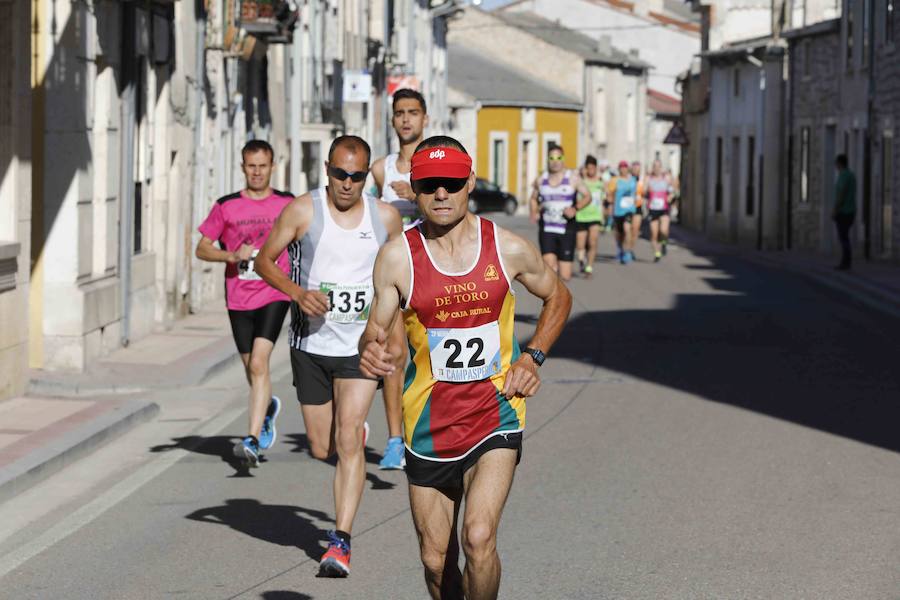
{"x":466,"y":384}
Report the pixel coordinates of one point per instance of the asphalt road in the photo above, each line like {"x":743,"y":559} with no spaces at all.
{"x":707,"y":428}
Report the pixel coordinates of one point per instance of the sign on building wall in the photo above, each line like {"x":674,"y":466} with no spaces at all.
{"x":676,"y":135}
{"x":357,"y":86}
{"x":399,"y":82}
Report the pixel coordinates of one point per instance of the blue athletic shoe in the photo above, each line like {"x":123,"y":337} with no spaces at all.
{"x":394,"y":455}
{"x":268,"y":433}
{"x":627,"y":257}
{"x":248,"y":451}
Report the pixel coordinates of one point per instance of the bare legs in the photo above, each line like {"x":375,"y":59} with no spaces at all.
{"x":435,"y":513}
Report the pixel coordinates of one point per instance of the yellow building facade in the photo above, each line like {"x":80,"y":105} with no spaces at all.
{"x":513,"y":141}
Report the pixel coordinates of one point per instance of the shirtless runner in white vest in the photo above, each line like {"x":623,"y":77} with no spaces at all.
{"x":332,"y":235}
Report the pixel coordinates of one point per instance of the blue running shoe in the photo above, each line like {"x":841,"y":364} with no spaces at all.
{"x":627,"y":257}
{"x":394,"y":458}
{"x":268,"y":434}
{"x":248,"y":450}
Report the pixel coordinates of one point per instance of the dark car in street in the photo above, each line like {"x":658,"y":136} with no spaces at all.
{"x":488,"y":197}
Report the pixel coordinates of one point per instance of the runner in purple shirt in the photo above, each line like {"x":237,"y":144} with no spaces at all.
{"x":240,"y":223}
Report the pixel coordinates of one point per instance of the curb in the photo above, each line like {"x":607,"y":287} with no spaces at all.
{"x":71,"y":446}
{"x":857,"y":290}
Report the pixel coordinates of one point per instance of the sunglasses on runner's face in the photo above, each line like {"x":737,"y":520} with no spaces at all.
{"x":431,"y":184}
{"x":341,"y":175}
{"x":557,"y":158}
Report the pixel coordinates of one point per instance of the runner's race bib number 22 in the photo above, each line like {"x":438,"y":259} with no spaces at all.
{"x":465,"y":354}
{"x":348,"y":302}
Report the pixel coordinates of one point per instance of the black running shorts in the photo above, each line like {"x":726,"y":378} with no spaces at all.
{"x":449,"y":474}
{"x":620,"y":222}
{"x":579,"y":226}
{"x":655,"y":215}
{"x":314,"y":374}
{"x":560,"y":244}
{"x":263,"y":322}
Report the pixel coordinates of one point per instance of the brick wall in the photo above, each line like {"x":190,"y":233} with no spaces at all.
{"x":815,"y":76}
{"x":885,"y":119}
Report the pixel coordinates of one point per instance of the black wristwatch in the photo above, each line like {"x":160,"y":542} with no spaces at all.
{"x":536,"y":355}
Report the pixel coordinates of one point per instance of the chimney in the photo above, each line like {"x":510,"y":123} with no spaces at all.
{"x":604,"y":45}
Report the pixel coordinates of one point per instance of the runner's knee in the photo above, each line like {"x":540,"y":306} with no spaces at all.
{"x":348,"y":438}
{"x":479,"y":539}
{"x":433,"y":559}
{"x":258,"y":366}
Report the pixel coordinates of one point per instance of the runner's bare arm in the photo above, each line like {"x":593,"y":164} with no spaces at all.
{"x":391,"y":218}
{"x":582,"y":195}
{"x":206,"y":250}
{"x":291,"y":225}
{"x":533,"y":203}
{"x":523,"y":262}
{"x":391,"y":267}
{"x":378,"y":174}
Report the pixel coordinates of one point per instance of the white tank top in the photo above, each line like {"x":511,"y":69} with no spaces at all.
{"x":407,"y":208}
{"x":338,"y":262}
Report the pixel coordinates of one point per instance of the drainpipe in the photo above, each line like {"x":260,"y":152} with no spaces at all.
{"x":126,"y":170}
{"x":199,"y":159}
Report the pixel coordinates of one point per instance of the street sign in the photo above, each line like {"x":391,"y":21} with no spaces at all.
{"x":676,"y":135}
{"x":399,"y":82}
{"x":357,"y":86}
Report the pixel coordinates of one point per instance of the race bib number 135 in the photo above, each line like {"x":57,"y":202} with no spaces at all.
{"x":465,"y":354}
{"x":348,"y":302}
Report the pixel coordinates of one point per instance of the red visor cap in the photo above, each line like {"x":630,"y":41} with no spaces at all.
{"x":440,"y":162}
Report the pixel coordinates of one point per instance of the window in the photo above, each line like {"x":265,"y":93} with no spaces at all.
{"x":866,"y":25}
{"x":498,"y":158}
{"x":631,"y":118}
{"x":887,"y":191}
{"x":804,"y":164}
{"x":718,"y":197}
{"x":736,"y":77}
{"x":807,"y":55}
{"x":751,"y":176}
{"x":889,"y":21}
{"x":849,"y":34}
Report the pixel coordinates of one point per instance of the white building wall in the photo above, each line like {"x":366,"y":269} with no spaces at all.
{"x":668,"y":48}
{"x":734,"y":118}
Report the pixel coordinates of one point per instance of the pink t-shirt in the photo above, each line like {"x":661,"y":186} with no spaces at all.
{"x":236,"y":219}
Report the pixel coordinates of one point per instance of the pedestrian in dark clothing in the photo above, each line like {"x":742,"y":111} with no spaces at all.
{"x":844,"y":207}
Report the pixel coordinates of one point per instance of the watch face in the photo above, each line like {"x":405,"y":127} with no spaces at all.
{"x":537,"y":355}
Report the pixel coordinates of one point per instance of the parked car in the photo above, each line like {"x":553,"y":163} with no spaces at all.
{"x":487,"y":196}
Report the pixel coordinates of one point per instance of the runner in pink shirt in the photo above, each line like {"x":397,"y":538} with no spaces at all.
{"x":240,"y":223}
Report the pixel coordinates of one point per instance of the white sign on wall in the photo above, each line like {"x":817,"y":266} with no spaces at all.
{"x":357,"y":86}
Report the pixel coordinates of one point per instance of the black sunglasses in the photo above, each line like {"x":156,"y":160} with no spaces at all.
{"x":431,"y":184}
{"x":341,"y":175}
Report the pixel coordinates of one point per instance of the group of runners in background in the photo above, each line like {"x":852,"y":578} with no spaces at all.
{"x":572,"y":209}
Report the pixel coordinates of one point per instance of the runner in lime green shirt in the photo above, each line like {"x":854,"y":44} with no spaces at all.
{"x":589,"y":219}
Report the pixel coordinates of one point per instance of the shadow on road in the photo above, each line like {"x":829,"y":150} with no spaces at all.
{"x":284,"y":595}
{"x":301,"y":444}
{"x":276,"y":524}
{"x":761,"y":339}
{"x":217,"y":445}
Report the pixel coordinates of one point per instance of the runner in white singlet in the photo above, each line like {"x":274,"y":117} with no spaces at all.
{"x":391,"y":175}
{"x":332,"y":235}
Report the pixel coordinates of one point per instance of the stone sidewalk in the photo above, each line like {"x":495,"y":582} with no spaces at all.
{"x":63,"y":416}
{"x":873,"y":284}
